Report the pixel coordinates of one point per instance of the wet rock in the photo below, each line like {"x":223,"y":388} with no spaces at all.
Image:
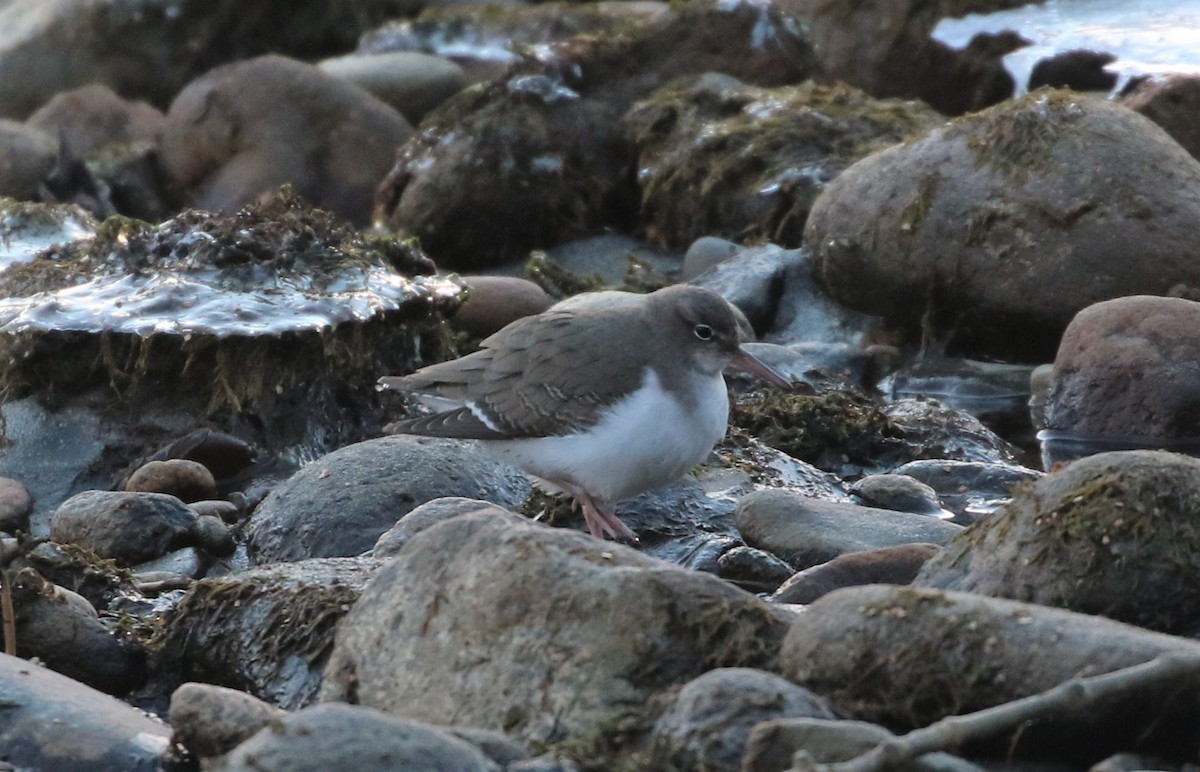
{"x":547,"y":135}
{"x":27,"y":156}
{"x":530,"y":630}
{"x":549,"y":762}
{"x":993,"y":239}
{"x":15,"y":506}
{"x":227,"y":511}
{"x":129,"y":528}
{"x":969,"y":489}
{"x":428,"y":514}
{"x":897,"y":492}
{"x":601,"y":261}
{"x":246,"y":128}
{"x":719,"y":157}
{"x":211,"y":720}
{"x":185,"y":480}
{"x":222,"y":454}
{"x":708,"y":724}
{"x":93,"y":116}
{"x":213,"y":536}
{"x":1112,"y":534}
{"x":333,"y":736}
{"x":79,"y":570}
{"x":806,"y":532}
{"x":26,"y":228}
{"x":1079,"y":70}
{"x":411,"y":82}
{"x":105,"y":734}
{"x":1129,"y":368}
{"x":774,"y":287}
{"x":933,"y":654}
{"x":495,"y":301}
{"x":1169,"y":101}
{"x":266,"y":631}
{"x":887,"y":565}
{"x":885,"y":49}
{"x":932,"y":430}
{"x":62,"y":630}
{"x":187,"y":562}
{"x":752,"y":569}
{"x":996,"y":393}
{"x":271,"y":325}
{"x":497,"y":746}
{"x":704,"y":253}
{"x":773,"y":742}
{"x":341,"y":503}
{"x":484,"y":44}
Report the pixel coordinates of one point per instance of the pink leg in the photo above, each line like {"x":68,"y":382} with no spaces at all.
{"x":600,"y":519}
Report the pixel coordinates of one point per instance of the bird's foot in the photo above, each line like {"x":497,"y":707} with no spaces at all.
{"x":601,"y":522}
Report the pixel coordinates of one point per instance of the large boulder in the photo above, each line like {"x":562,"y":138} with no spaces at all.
{"x":551,"y":635}
{"x":993,"y":231}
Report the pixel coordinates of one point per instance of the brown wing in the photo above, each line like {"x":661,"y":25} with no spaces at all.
{"x":542,"y":376}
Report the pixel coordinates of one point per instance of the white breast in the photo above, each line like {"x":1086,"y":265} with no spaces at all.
{"x":645,"y":441}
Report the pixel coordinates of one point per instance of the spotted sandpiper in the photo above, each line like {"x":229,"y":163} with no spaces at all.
{"x":602,"y":397}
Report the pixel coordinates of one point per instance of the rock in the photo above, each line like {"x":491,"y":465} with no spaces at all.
{"x":265,"y":630}
{"x":413,"y":83}
{"x":549,"y":762}
{"x":932,"y":430}
{"x":933,"y":654}
{"x":886,"y":565}
{"x":129,"y":528}
{"x":886,"y":49}
{"x":1129,"y":368}
{"x":92,"y":116}
{"x":222,"y":454}
{"x":1111,"y":534}
{"x":336,"y":736}
{"x":705,"y":253}
{"x":1011,"y":233}
{"x":15,"y":506}
{"x":1169,"y":100}
{"x":708,"y":724}
{"x":105,"y":734}
{"x":752,"y":569}
{"x":719,"y":157}
{"x":775,"y":289}
{"x":186,"y":480}
{"x":497,"y":746}
{"x":227,"y":511}
{"x":62,"y":630}
{"x":341,"y":503}
{"x":246,"y":128}
{"x":27,"y":156}
{"x":546,"y":136}
{"x":897,"y":492}
{"x":529,"y":629}
{"x":772,"y":744}
{"x":969,"y":489}
{"x":607,"y":259}
{"x":428,"y":514}
{"x":188,"y":562}
{"x":1080,"y":70}
{"x":495,"y":301}
{"x":213,"y":536}
{"x":211,"y":720}
{"x":806,"y":532}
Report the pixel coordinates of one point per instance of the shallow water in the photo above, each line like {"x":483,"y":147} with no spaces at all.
{"x":1147,"y":36}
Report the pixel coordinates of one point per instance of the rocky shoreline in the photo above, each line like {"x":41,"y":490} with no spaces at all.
{"x":217,"y":231}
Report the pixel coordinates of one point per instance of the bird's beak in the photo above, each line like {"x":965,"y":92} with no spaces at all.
{"x":745,"y":362}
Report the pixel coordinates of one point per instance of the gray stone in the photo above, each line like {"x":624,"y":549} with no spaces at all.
{"x":704,"y":253}
{"x":886,"y":565}
{"x":340,"y":504}
{"x":710,"y":721}
{"x":496,"y":622}
{"x":773,"y":743}
{"x":806,"y":531}
{"x":899,"y":493}
{"x":52,"y":722}
{"x":211,"y":720}
{"x":337,"y":736}
{"x":410,"y":81}
{"x":267,"y":630}
{"x":428,"y":514}
{"x":129,"y":528}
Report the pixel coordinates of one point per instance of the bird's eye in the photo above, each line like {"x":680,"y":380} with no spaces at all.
{"x":703,"y":331}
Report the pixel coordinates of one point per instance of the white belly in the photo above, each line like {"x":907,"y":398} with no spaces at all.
{"x":645,"y":441}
